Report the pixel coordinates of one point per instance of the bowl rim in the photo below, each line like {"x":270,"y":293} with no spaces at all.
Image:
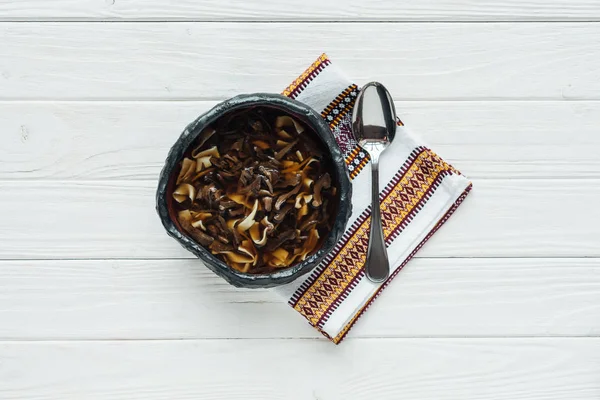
{"x":308,"y":116}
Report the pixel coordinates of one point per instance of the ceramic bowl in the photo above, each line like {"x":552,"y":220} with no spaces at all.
{"x":304,"y":114}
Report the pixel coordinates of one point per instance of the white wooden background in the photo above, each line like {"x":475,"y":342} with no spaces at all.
{"x":96,"y":302}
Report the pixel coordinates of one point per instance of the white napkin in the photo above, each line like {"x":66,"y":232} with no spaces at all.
{"x":419,"y":193}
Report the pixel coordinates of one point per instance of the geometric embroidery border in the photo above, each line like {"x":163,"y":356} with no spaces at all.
{"x":339,"y":107}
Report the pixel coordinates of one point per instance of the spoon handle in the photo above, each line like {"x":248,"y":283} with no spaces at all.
{"x":377,"y":265}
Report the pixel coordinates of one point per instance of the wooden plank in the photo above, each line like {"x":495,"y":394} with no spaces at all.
{"x":214,"y":61}
{"x":308,"y":10}
{"x":173,"y":299}
{"x":440,"y":369}
{"x":130,"y":140}
{"x":501,"y":218}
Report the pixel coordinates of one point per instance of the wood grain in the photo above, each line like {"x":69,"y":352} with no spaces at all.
{"x":173,"y":299}
{"x":205,"y":61}
{"x":130,"y":140}
{"x":501,"y":218}
{"x":97,"y":302}
{"x":440,"y":369}
{"x":308,"y":10}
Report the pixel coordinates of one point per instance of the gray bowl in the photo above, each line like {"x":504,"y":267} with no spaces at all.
{"x":306,"y":115}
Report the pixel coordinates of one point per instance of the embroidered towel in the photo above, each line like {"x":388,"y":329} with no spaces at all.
{"x":419,"y":193}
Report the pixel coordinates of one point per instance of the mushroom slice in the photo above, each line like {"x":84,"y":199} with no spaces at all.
{"x":233,"y":160}
{"x":200,"y":174}
{"x":207,"y":194}
{"x":280,"y":215}
{"x":226,"y":174}
{"x":283,"y":198}
{"x":245,"y":177}
{"x":290,"y":180}
{"x":273,"y":163}
{"x":279,"y":155}
{"x":222,"y":223}
{"x":268,"y":202}
{"x":310,"y":221}
{"x":201,"y":237}
{"x":249,"y":220}
{"x":324,"y":182}
{"x":217,"y":247}
{"x":287,"y":121}
{"x":227,"y":204}
{"x":253,"y":187}
{"x":237,"y":237}
{"x":183,"y":192}
{"x":213,"y":230}
{"x":237,"y":145}
{"x":277,"y":241}
{"x":223,"y":239}
{"x":237,"y":212}
{"x":271,"y":173}
{"x":188,"y":167}
{"x":269,"y":186}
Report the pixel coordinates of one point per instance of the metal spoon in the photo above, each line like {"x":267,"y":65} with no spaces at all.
{"x":374,"y":127}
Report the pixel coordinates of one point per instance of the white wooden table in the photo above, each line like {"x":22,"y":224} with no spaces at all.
{"x":96,"y":302}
